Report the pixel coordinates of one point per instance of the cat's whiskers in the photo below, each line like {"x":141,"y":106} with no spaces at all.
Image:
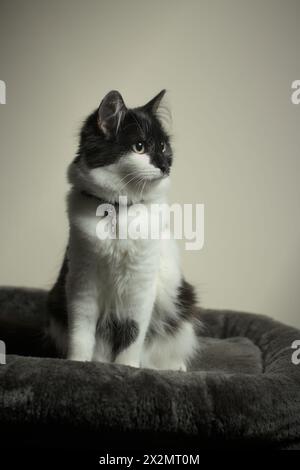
{"x":126,"y":176}
{"x":140,"y":187}
{"x":143,"y":184}
{"x":135,"y":177}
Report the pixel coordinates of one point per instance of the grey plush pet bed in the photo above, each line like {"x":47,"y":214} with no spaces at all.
{"x":242,"y":392}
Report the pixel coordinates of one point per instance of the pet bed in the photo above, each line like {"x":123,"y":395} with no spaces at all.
{"x":242,"y":392}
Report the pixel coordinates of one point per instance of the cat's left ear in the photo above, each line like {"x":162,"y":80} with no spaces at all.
{"x":111,"y":113}
{"x":153,"y":104}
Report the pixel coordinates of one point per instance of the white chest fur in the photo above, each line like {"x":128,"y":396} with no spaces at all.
{"x":122,"y":269}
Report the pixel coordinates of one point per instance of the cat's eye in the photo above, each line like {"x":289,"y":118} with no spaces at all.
{"x":139,"y":147}
{"x":163,"y":146}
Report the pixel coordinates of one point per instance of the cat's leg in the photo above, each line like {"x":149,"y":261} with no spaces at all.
{"x":132,"y":345}
{"x":138,"y":315}
{"x":114,"y":335}
{"x":171,"y":339}
{"x":171,"y":350}
{"x":102,"y":350}
{"x":83,"y":310}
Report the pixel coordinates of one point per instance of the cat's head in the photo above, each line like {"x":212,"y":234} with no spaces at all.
{"x":123,"y":151}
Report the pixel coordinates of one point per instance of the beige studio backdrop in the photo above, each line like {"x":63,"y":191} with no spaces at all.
{"x":228,"y":67}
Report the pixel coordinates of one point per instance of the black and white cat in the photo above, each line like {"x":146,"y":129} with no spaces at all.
{"x":121,"y":300}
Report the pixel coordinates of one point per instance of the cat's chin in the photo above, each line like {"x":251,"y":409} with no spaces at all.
{"x":152,"y":179}
{"x":157,"y":186}
{"x":156,"y":180}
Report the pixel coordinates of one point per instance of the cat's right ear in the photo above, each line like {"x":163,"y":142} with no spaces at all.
{"x":154,"y":104}
{"x":111,"y":112}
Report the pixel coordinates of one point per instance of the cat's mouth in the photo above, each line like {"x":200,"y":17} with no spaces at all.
{"x":154,"y":179}
{"x":148,"y":178}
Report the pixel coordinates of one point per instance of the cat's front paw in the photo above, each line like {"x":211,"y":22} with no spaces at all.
{"x":78,"y":358}
{"x":128,"y":363}
{"x":181,"y":367}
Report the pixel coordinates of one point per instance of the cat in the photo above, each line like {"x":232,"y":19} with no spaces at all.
{"x":121,"y":301}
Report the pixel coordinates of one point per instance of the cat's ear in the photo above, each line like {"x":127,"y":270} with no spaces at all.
{"x":153,"y":104}
{"x":111,"y":112}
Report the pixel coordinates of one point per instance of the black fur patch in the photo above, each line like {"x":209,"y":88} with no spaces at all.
{"x":186,"y":302}
{"x":57,"y":302}
{"x":119,"y":334}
